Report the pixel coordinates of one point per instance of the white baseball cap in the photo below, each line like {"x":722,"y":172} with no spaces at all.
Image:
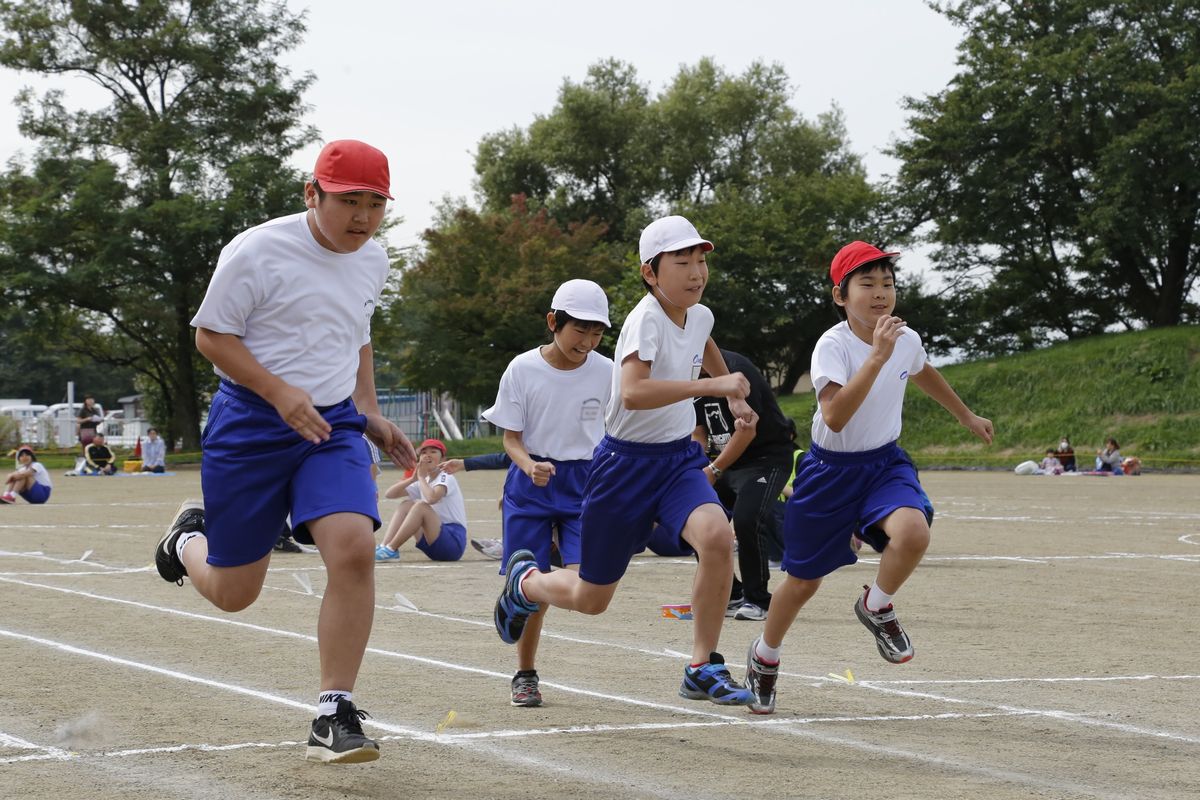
{"x":668,"y":234}
{"x":582,"y":299}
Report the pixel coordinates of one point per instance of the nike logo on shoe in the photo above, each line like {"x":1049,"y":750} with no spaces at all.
{"x":326,"y":740}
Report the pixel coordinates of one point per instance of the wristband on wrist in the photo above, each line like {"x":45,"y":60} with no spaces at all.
{"x":716,"y":471}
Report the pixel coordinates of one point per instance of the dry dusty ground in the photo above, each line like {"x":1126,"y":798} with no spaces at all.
{"x":1053,"y":619}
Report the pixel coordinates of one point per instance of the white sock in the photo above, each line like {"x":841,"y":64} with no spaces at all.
{"x":765,"y":653}
{"x":877,"y":598}
{"x":327,"y":702}
{"x":390,"y":550}
{"x":184,"y":539}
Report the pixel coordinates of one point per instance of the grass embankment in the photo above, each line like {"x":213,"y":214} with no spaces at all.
{"x":1142,"y":388}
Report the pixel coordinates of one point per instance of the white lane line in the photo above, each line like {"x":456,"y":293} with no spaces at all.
{"x":1064,"y":716}
{"x":1079,"y":679}
{"x":870,"y":747}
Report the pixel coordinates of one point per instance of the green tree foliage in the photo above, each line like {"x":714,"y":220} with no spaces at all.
{"x":479,"y":294}
{"x":778,"y":194}
{"x":122,"y":212}
{"x":1061,"y":168}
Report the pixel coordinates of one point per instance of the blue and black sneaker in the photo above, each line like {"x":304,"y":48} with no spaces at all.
{"x":712,"y":681}
{"x":512,"y":609}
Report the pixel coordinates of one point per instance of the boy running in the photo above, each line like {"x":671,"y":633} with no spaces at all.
{"x":551,"y":404}
{"x":855,"y":478}
{"x":647,"y":468}
{"x":286,"y":322}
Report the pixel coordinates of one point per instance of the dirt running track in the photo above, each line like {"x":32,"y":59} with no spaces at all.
{"x":1054,"y":622}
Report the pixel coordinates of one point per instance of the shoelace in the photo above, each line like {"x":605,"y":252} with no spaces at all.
{"x":351,"y":719}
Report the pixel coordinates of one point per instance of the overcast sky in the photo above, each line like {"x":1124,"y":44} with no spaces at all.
{"x":425,"y":81}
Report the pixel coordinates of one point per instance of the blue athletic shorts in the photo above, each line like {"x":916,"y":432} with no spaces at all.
{"x":532,"y":513}
{"x":256,"y":470}
{"x":664,"y":542}
{"x":632,"y":485}
{"x":36,"y":494}
{"x":450,"y":544}
{"x":836,"y":494}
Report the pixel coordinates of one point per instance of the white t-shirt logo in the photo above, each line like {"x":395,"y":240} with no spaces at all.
{"x":697,"y":363}
{"x":590,"y":410}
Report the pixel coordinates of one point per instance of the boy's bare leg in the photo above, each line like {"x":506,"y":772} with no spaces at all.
{"x":527,"y":645}
{"x":397,"y":520}
{"x":908,"y":535}
{"x":227,"y":588}
{"x":421,"y":520}
{"x":563,"y":588}
{"x":708,"y":532}
{"x":786,"y":602}
{"x":347,"y":545}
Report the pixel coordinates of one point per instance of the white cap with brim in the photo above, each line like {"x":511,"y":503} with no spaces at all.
{"x":668,"y":234}
{"x":583,"y":300}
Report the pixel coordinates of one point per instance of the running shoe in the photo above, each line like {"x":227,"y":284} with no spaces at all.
{"x":284,"y":544}
{"x":750,"y":611}
{"x":492,"y":548}
{"x":525,"y":690}
{"x":188,"y":518}
{"x":890,"y":638}
{"x":760,"y":681}
{"x":512,"y":609}
{"x":386,"y":554}
{"x":8,"y":498}
{"x":732,"y":608}
{"x":712,"y":681}
{"x":338,"y":738}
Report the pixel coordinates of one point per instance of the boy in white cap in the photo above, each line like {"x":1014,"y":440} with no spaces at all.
{"x":550,"y":404}
{"x":286,"y":322}
{"x":647,"y":468}
{"x":855,"y":482}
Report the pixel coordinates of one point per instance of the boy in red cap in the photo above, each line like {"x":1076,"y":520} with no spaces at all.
{"x":286,"y":322}
{"x":854,"y":476}
{"x":432,"y":513}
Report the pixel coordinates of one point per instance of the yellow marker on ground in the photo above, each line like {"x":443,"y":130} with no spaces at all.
{"x":849,"y":676}
{"x":445,"y":723}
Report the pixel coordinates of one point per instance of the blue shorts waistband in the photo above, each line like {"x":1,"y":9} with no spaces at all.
{"x":568,"y":462}
{"x":854,"y":459}
{"x":646,"y":449}
{"x":249,"y":396}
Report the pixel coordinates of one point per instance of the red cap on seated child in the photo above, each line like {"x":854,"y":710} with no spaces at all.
{"x":433,"y":443}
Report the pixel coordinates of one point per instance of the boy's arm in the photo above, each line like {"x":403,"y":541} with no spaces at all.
{"x":714,"y":365}
{"x":397,"y":489}
{"x":931,"y":382}
{"x":383,"y":432}
{"x":540,"y":472}
{"x":839,"y":402}
{"x":293,"y":404}
{"x":640,"y":392}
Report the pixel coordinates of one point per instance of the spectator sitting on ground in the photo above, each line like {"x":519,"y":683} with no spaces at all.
{"x":1065,"y":454}
{"x":98,"y":459}
{"x":1050,"y":464}
{"x":154,"y":453}
{"x":30,"y":480}
{"x":433,"y":513}
{"x":1108,"y":458}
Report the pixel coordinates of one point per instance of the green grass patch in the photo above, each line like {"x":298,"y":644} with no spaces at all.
{"x":1142,"y":388}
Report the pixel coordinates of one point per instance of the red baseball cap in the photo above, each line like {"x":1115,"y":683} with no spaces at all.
{"x":853,"y":256}
{"x":348,"y":165}
{"x":433,"y":443}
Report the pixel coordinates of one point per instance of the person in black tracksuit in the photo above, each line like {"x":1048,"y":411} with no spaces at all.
{"x":748,"y":482}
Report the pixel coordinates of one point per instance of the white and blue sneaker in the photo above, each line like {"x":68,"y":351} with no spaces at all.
{"x":386,"y":554}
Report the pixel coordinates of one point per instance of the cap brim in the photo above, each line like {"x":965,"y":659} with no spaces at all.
{"x":585,"y":316}
{"x":344,"y":188}
{"x":684,"y":244}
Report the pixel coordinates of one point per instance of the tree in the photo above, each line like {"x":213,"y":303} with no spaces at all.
{"x":777,"y":193}
{"x":479,"y":294}
{"x":124,"y":210}
{"x":1060,"y":169}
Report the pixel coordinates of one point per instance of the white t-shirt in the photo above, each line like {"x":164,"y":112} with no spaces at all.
{"x":675,"y":354}
{"x":839,"y":354}
{"x":559,"y":412}
{"x":302,"y":311}
{"x":451,"y":507}
{"x":40,"y":473}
